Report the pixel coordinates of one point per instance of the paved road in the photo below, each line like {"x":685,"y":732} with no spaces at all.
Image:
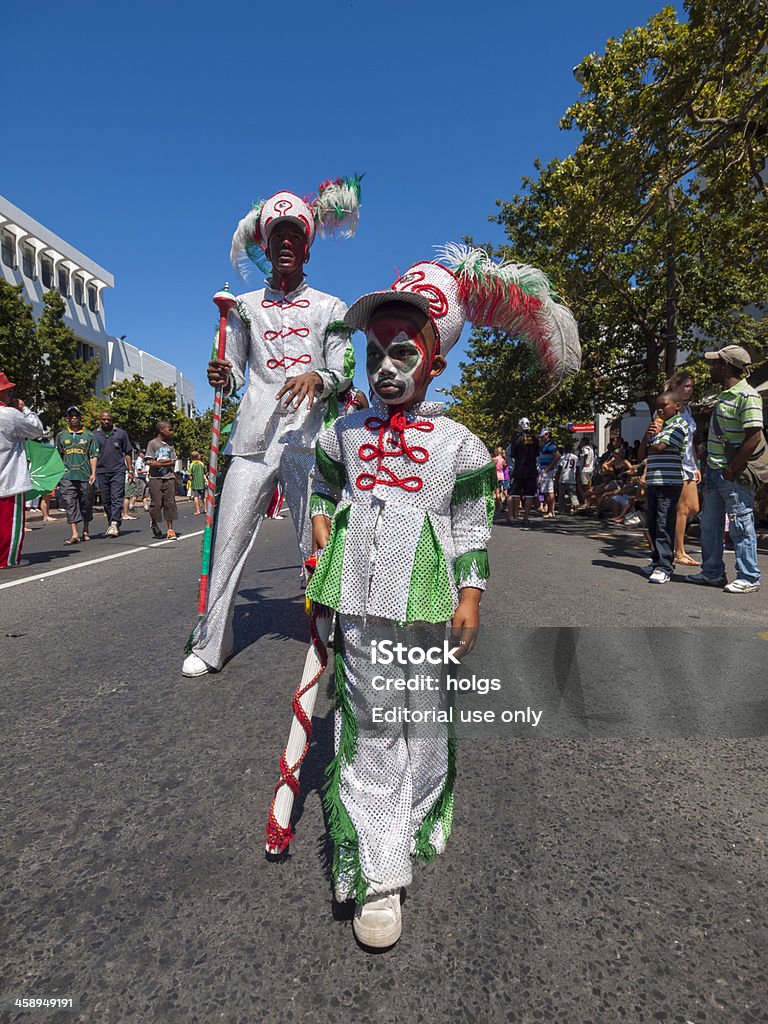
{"x":607,"y":865}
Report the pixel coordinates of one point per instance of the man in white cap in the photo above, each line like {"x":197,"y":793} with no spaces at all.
{"x":524,"y":451}
{"x":17,"y":423}
{"x":298,"y":352}
{"x":735,"y":435}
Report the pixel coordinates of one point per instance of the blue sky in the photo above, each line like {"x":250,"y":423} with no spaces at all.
{"x":141,"y":133}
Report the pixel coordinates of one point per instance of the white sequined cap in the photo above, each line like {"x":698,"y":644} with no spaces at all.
{"x":286,"y":206}
{"x":430,"y":287}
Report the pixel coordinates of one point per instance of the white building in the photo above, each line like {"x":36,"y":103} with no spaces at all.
{"x":32,"y":256}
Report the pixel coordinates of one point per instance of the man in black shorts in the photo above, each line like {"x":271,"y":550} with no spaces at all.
{"x":524,"y":450}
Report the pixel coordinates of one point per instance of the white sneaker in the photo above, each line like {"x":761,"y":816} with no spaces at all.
{"x":379,"y":921}
{"x":741,"y":587}
{"x":659,"y":576}
{"x":111,"y":530}
{"x":194,"y":666}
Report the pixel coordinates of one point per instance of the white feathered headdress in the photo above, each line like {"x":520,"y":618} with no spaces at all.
{"x":333,"y":211}
{"x":468,"y":285}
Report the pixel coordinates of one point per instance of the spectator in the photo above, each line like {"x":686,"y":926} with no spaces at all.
{"x":500,"y":461}
{"x":17,"y":423}
{"x":524,"y":452}
{"x":197,"y":471}
{"x":549,"y":456}
{"x":161,"y":458}
{"x":664,"y":481}
{"x":688,"y":505}
{"x":115,"y":457}
{"x":586,"y":468}
{"x":79,"y":451}
{"x":567,"y":470}
{"x":735,"y":434}
{"x":140,"y":476}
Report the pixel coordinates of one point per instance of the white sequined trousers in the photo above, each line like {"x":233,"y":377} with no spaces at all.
{"x":398,"y":772}
{"x":247,"y":491}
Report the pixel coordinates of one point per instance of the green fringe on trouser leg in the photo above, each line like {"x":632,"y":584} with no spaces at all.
{"x":346,"y":865}
{"x":441,"y":812}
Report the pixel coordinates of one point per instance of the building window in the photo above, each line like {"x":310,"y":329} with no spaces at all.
{"x":46,"y":271}
{"x":9,"y":249}
{"x":85,"y":352}
{"x":28,"y":260}
{"x":64,"y":282}
{"x":93,"y":298}
{"x":79,"y":293}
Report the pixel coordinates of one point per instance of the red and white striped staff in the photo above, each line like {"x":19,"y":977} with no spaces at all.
{"x":279,"y":831}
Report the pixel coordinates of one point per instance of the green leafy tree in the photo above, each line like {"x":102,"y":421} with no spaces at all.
{"x":21,"y":355}
{"x":136,"y":407}
{"x":654,"y":228}
{"x":65,"y":379}
{"x":193,"y":433}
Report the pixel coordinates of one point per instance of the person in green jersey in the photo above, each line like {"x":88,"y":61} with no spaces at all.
{"x":80,"y":453}
{"x":197,"y":471}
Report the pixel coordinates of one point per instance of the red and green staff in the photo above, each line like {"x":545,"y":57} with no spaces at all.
{"x":226,"y":301}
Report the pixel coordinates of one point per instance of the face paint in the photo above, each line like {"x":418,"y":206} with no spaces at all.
{"x":398,"y":360}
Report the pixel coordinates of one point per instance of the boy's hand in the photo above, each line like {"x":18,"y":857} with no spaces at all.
{"x":321,"y":531}
{"x":466,"y":621}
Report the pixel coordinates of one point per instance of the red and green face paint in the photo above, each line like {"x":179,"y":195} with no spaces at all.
{"x":398,"y":359}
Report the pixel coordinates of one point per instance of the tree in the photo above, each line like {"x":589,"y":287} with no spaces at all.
{"x":21,"y":356}
{"x":65,"y":379}
{"x":193,"y":433}
{"x":654,"y":228}
{"x":136,"y":407}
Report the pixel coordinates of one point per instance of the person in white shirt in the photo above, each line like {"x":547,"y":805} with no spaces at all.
{"x":17,"y":423}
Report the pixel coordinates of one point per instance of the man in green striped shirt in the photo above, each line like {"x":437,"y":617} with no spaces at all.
{"x":735,"y":433}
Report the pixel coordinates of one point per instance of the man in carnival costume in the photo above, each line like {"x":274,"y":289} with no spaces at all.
{"x":299,"y":356}
{"x":402,"y":507}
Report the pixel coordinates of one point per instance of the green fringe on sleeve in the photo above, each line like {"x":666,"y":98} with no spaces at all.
{"x":462,"y":567}
{"x":331,"y":470}
{"x":320,"y":503}
{"x":474,"y":485}
{"x":243,"y":314}
{"x":477,"y":483}
{"x":338,"y":327}
{"x":349,"y":360}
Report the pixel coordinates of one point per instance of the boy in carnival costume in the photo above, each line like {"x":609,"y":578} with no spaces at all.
{"x":298,"y":353}
{"x":402,"y":506}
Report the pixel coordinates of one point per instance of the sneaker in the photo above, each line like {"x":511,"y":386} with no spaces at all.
{"x":171,"y":535}
{"x":157,"y":533}
{"x":648,"y":570}
{"x":194,"y":666}
{"x":741,"y":587}
{"x":707,"y":581}
{"x":111,"y":530}
{"x":659,"y":576}
{"x":379,"y":921}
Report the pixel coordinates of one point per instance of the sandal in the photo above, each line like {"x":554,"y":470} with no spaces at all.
{"x":72,"y":540}
{"x":687,"y":560}
{"x":86,"y":536}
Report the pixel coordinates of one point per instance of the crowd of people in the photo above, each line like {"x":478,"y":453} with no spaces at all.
{"x":664,"y":482}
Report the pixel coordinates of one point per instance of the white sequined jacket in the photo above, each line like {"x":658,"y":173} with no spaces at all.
{"x":279,"y":336}
{"x":412,"y":510}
